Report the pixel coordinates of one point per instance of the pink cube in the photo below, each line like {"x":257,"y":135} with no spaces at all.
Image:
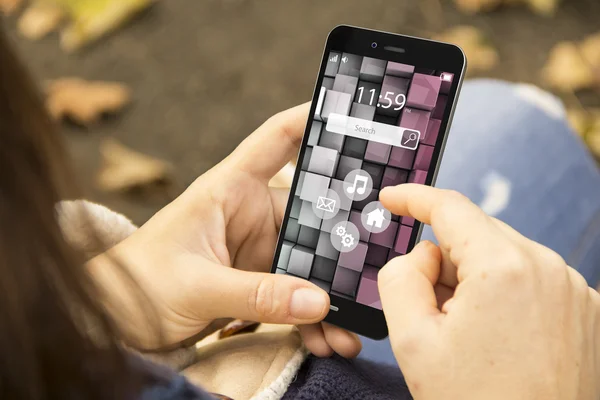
{"x":368,"y":293}
{"x":417,"y":177}
{"x":424,"y":91}
{"x":431,"y":134}
{"x":423,"y":158}
{"x":440,"y":107}
{"x":401,"y":245}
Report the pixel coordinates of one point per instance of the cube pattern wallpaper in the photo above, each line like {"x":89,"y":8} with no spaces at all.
{"x":376,"y":124}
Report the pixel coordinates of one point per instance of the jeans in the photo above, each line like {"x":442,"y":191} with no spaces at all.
{"x":511,"y":151}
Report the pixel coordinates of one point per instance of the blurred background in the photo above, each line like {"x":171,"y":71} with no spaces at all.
{"x":151,"y":94}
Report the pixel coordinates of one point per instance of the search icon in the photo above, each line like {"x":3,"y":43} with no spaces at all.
{"x":410,"y":139}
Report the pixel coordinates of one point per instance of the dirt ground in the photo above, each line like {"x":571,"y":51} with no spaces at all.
{"x":206,"y":73}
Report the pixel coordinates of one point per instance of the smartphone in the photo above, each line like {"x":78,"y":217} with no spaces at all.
{"x":380,"y":115}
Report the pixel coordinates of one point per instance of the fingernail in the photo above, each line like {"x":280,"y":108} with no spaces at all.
{"x":307,"y":303}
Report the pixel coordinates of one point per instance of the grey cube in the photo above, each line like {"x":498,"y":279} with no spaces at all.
{"x":372,"y":69}
{"x":300,"y":183}
{"x":345,"y":84}
{"x":325,"y":248}
{"x":327,"y":83}
{"x":308,"y":236}
{"x":326,"y":286}
{"x":292,"y":230}
{"x":314,"y":186}
{"x":350,"y":64}
{"x":308,"y":216}
{"x":336,"y":102}
{"x":341,"y":216}
{"x":346,"y":165}
{"x":315,"y":132}
{"x":354,"y":147}
{"x":332,"y":140}
{"x":306,"y":158}
{"x":296,"y":204}
{"x":301,"y":261}
{"x":323,"y":161}
{"x":284,"y":255}
{"x":338,"y":186}
{"x":362,"y":111}
{"x":345,"y":281}
{"x":333,"y":63}
{"x":367,"y":93}
{"x":323,"y":268}
{"x":280,"y":271}
{"x":359,"y":205}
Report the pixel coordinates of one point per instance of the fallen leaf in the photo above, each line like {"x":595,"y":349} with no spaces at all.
{"x":92,"y":19}
{"x":543,"y":7}
{"x":476,"y":6}
{"x":480,"y":54}
{"x":7,"y":7}
{"x":39,"y":19}
{"x":124,"y":169}
{"x":567,"y":69}
{"x":85,"y":102}
{"x":590,"y":49}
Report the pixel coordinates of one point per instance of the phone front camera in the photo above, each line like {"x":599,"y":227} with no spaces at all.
{"x":374,"y":45}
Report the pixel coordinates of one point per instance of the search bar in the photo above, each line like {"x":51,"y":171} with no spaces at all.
{"x":374,"y":131}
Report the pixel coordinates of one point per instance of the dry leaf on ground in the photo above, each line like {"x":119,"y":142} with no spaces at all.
{"x":590,"y":49}
{"x":124,"y":169}
{"x":480,"y":54}
{"x":475,"y":6}
{"x":573,"y":66}
{"x":39,"y":19}
{"x":543,"y":7}
{"x":92,"y":19}
{"x":85,"y":102}
{"x":7,"y":7}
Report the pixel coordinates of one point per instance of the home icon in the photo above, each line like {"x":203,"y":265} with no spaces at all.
{"x":376,"y":218}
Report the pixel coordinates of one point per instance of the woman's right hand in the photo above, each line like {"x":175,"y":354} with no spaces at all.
{"x":489,"y":314}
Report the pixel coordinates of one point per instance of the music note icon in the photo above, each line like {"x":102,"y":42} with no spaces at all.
{"x":361,"y":190}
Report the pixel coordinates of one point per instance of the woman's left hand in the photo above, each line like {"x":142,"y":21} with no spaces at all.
{"x":208,"y":254}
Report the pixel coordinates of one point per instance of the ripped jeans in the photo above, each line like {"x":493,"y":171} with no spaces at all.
{"x":511,"y":151}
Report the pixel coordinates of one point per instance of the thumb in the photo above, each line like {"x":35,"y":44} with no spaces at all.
{"x":263,"y":297}
{"x":406,"y":287}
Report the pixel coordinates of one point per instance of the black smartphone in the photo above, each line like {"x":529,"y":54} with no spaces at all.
{"x":380,"y":115}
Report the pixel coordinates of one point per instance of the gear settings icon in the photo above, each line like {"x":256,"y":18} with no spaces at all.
{"x":347,"y":238}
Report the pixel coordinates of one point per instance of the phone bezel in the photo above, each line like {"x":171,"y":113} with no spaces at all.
{"x":423,"y":53}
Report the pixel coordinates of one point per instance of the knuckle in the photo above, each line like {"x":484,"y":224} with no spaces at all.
{"x":515,"y":264}
{"x":578,"y":282}
{"x":262,"y":299}
{"x":550,"y":259}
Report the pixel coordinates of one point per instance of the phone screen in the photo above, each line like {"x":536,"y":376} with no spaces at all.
{"x":376,"y":124}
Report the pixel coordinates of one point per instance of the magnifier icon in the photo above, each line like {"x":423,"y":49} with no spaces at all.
{"x":411,"y":138}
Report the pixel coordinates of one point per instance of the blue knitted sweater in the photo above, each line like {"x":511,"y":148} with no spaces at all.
{"x":318,"y":379}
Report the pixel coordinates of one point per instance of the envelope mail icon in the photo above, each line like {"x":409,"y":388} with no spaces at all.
{"x":325,"y":204}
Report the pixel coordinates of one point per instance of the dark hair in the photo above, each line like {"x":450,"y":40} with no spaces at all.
{"x":47,"y":300}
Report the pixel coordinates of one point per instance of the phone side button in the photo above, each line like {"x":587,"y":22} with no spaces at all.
{"x":333,"y":308}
